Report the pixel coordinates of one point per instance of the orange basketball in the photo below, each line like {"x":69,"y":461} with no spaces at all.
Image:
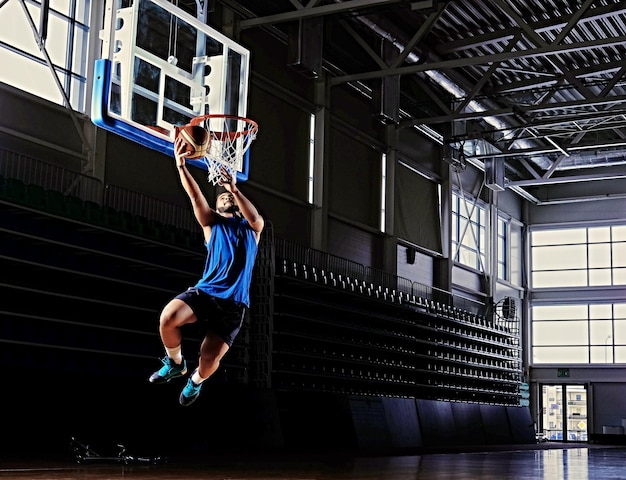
{"x":196,"y":138}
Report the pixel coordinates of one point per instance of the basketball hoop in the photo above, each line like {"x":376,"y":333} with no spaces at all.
{"x":230,"y":137}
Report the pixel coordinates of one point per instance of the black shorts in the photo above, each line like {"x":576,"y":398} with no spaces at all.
{"x":220,"y":316}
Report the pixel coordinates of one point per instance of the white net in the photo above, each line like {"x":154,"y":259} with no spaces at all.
{"x":231,"y":137}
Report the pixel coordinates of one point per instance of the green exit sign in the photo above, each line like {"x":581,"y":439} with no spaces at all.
{"x":562,"y":372}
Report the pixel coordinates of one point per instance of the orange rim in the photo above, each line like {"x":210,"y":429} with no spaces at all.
{"x":224,"y":135}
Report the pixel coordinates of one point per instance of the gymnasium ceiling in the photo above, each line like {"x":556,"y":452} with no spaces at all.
{"x":539,"y":85}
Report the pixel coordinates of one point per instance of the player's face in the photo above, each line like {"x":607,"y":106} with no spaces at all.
{"x":225,"y":203}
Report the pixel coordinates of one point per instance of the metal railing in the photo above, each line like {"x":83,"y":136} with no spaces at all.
{"x":387,"y":281}
{"x":125,"y":200}
{"x":32,"y":171}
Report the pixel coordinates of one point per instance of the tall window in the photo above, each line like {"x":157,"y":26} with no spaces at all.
{"x":579,"y":257}
{"x":311,"y":158}
{"x":573,"y":267}
{"x":24,"y":64}
{"x":503,"y":249}
{"x":468,"y":232}
{"x":579,"y":333}
{"x":383,"y":191}
{"x":509,"y":248}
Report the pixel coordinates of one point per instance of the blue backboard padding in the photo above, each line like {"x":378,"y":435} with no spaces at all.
{"x":100,"y":117}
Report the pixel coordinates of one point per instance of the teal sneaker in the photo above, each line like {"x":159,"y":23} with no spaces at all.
{"x":168,"y":371}
{"x":190,"y":393}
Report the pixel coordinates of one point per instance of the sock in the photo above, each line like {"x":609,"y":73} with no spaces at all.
{"x":175,"y":354}
{"x":196,"y":378}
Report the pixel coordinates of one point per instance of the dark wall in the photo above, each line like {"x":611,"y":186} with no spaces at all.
{"x":282,"y":100}
{"x":134,"y":167}
{"x":418,"y":150}
{"x":32,"y":126}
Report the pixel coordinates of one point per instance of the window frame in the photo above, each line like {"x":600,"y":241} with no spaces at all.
{"x":590,"y":321}
{"x":74,"y":53}
{"x":479,"y":218}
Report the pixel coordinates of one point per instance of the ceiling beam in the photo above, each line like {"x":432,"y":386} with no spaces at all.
{"x":535,"y":38}
{"x":547,"y":50}
{"x":568,"y":179}
{"x":522,"y":109}
{"x":309,"y":12}
{"x":526,"y":152}
{"x":505,"y":34}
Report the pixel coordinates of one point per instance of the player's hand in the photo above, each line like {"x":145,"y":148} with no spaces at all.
{"x":227,"y":180}
{"x":179,"y":151}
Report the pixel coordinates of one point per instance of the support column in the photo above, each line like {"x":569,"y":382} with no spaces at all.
{"x":491,"y":269}
{"x":319,"y":212}
{"x":442,"y":267}
{"x":390,"y":248}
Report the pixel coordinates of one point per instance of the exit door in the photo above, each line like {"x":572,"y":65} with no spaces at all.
{"x":564,"y":413}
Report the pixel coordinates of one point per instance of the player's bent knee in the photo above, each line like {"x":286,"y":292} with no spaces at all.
{"x":175,"y":314}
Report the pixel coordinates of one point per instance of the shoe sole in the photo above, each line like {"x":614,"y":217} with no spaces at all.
{"x":185,"y":401}
{"x":161,"y":380}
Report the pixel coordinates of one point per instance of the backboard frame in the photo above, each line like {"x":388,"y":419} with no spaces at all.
{"x":212,"y":75}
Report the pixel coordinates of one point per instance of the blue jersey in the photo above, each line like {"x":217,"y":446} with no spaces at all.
{"x":231,"y":252}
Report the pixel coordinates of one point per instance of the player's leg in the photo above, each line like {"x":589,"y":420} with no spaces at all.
{"x":224,"y":320}
{"x":212,"y":350}
{"x":175,"y":314}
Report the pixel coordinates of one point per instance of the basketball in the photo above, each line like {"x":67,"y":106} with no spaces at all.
{"x":196,"y":140}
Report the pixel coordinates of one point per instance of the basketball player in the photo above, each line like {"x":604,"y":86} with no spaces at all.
{"x":220,"y":298}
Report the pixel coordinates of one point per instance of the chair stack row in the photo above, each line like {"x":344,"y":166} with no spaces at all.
{"x":344,"y":334}
{"x":91,"y":212}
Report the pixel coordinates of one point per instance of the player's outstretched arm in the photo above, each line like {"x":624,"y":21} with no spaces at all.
{"x":246,"y":207}
{"x":201,"y":209}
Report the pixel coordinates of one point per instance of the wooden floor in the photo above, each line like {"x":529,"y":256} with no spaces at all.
{"x":546,"y":461}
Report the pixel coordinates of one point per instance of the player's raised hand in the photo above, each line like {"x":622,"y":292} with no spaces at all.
{"x":180,"y":151}
{"x":227,"y":180}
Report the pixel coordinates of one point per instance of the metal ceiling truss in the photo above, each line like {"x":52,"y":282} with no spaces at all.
{"x":538,"y":85}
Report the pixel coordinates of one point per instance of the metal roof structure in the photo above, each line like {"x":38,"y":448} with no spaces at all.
{"x":539,"y":85}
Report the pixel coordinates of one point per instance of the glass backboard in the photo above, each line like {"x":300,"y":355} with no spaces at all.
{"x":160,"y":68}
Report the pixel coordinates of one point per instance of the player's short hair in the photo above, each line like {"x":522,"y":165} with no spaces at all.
{"x":219,"y":190}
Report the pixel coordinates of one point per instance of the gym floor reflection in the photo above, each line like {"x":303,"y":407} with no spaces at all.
{"x":549,"y":463}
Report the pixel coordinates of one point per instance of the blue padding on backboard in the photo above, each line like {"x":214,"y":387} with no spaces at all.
{"x":100,"y":117}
